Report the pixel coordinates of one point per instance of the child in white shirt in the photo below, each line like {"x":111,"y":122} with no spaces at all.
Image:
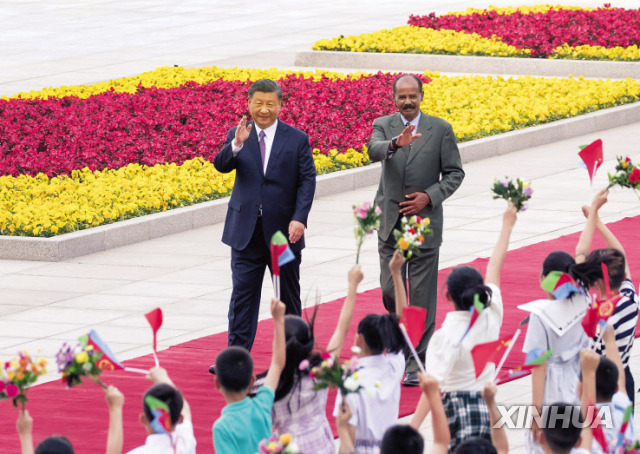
{"x":450,"y":361}
{"x":381,"y":367}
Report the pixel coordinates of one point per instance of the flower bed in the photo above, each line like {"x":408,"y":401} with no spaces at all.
{"x":539,"y":31}
{"x":72,"y":163}
{"x":154,"y":126}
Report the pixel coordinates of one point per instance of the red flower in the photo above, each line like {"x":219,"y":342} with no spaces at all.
{"x":111,"y":130}
{"x":543,"y":32}
{"x":12,"y":390}
{"x":634,"y":177}
{"x":325,"y":355}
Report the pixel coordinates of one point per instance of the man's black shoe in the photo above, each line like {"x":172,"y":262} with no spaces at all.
{"x":212,"y":369}
{"x":411,"y":379}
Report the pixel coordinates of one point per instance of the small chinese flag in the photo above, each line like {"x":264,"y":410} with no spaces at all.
{"x":489,"y":352}
{"x":155,"y":320}
{"x":591,"y":155}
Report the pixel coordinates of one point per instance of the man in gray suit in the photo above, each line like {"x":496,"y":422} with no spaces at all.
{"x":421,"y":167}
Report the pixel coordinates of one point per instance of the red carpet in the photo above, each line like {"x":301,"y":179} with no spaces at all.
{"x":81,"y":413}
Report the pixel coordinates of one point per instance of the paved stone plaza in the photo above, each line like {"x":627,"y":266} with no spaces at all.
{"x":59,"y":42}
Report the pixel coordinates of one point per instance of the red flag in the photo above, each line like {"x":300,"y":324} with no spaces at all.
{"x":596,"y":429}
{"x":155,"y":320}
{"x":489,"y":352}
{"x":413,"y":319}
{"x":591,"y":155}
{"x":590,"y":321}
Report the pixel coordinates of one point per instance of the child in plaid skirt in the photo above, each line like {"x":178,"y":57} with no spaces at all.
{"x":449,"y":358}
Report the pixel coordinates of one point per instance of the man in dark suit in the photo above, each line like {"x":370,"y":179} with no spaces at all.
{"x":273,"y":190}
{"x":421,"y":167}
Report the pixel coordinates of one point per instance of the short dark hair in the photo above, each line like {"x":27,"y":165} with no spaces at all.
{"x":606,"y":380}
{"x":234,"y":368}
{"x":562,"y":436}
{"x":475,"y":445}
{"x":265,"y":86}
{"x":167,"y":394}
{"x":381,"y":332}
{"x":401,"y":438}
{"x":557,"y":261}
{"x":56,"y":444}
{"x":412,"y":76}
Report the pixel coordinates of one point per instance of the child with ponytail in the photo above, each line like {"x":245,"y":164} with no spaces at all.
{"x":625,"y":316}
{"x":449,"y":360}
{"x":298,"y":409}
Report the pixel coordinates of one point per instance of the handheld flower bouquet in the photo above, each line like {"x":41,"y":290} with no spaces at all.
{"x":626,"y":175}
{"x":330,"y":373}
{"x":76,"y":361}
{"x":367,"y":217}
{"x":517,"y":192}
{"x":274,"y":444}
{"x":411,"y":235}
{"x":17,"y":374}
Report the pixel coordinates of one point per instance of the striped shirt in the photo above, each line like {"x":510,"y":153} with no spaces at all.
{"x":624,"y":320}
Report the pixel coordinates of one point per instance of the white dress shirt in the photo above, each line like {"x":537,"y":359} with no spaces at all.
{"x":415,"y":122}
{"x":269,"y":135}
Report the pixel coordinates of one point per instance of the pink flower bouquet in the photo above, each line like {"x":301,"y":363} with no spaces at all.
{"x":278,"y":444}
{"x":330,"y":373}
{"x":367,"y":217}
{"x":18,"y":374}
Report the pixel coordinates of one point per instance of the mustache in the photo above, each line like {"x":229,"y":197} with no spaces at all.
{"x":408,"y":106}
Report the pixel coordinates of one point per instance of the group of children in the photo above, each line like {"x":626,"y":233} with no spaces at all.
{"x":463,"y":406}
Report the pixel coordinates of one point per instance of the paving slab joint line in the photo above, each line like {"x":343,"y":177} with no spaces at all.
{"x":105,"y":237}
{"x":469,"y":64}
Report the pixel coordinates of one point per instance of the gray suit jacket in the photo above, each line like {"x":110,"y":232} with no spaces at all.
{"x":430,"y":164}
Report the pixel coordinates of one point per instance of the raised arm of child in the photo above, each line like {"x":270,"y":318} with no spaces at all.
{"x":500,"y":250}
{"x":24,"y":427}
{"x":611,"y":348}
{"x":609,"y":238}
{"x":589,"y":361}
{"x":431,"y":391}
{"x":346,"y":313}
{"x":498,"y":435}
{"x":160,"y":375}
{"x":115,"y":437}
{"x":395,"y":266}
{"x":346,"y":432}
{"x":586,"y":237}
{"x":279,"y":353}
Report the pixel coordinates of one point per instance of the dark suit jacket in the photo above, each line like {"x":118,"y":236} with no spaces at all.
{"x":431,"y":164}
{"x":285,"y":191}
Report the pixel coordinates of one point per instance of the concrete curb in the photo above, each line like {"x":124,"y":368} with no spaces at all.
{"x":122,"y":233}
{"x":468,"y":64}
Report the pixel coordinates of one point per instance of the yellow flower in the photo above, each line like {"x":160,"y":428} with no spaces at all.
{"x":403,"y":244}
{"x":82,"y":357}
{"x":356,"y":375}
{"x":285,"y":439}
{"x":624,"y":163}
